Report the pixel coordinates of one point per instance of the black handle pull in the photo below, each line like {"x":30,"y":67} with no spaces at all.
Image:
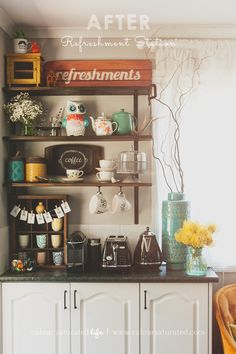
{"x":65,"y":295}
{"x":145,"y":299}
{"x":75,"y":303}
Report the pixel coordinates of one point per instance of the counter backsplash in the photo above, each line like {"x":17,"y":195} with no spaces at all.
{"x":102,"y":231}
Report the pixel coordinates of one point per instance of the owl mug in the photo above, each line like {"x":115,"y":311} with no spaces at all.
{"x":75,"y":120}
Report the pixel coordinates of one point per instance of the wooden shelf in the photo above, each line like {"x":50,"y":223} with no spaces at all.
{"x":38,"y":232}
{"x":78,"y":139}
{"x":81,"y":91}
{"x":80,"y":184}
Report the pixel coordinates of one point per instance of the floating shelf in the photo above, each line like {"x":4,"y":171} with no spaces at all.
{"x":78,"y":139}
{"x":81,"y":91}
{"x":81,"y":184}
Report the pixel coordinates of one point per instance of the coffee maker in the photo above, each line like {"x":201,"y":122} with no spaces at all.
{"x":147,"y":254}
{"x":76,"y":252}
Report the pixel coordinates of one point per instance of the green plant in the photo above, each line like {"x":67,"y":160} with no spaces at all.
{"x":19,"y":34}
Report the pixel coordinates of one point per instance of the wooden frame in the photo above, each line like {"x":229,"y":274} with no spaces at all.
{"x":20,"y":227}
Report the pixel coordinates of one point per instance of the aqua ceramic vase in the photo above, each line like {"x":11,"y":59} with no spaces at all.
{"x":195,"y":262}
{"x":175,"y":211}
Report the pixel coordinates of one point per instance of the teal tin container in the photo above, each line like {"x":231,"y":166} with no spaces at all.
{"x":16,"y":169}
{"x":175,"y":211}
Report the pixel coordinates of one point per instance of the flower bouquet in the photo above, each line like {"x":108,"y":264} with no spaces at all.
{"x":195,"y":236}
{"x":23,"y":109}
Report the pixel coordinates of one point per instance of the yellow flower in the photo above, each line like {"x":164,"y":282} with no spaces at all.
{"x":212,"y":228}
{"x":195,"y":235}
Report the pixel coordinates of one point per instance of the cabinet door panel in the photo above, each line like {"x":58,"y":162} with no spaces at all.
{"x":175,"y":319}
{"x":34,"y":318}
{"x":107,"y":318}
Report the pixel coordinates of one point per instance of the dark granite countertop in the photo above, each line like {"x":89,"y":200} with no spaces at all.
{"x":132,"y":276}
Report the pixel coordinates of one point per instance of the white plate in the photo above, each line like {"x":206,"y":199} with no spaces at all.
{"x":67,"y":179}
{"x":105,"y":169}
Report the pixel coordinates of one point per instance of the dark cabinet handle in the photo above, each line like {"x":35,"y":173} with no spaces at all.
{"x":65,"y":295}
{"x":75,"y":303}
{"x":145,"y":299}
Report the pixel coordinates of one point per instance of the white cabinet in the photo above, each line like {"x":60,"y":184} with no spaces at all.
{"x":36,"y":318}
{"x":77,"y":318}
{"x":174,"y":318}
{"x":107,"y":316}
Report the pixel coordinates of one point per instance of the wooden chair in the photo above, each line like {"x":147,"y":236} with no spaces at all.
{"x":225,"y":311}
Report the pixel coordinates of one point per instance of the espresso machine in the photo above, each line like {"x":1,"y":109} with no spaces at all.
{"x":147,"y":254}
{"x":116,"y":253}
{"x":76,"y":252}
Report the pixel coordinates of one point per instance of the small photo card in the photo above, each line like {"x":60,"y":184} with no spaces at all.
{"x":59,"y":212}
{"x":40,"y":219}
{"x":23,"y":215}
{"x":31,"y":218}
{"x":65,"y":206}
{"x":15,"y":211}
{"x":47,"y":216}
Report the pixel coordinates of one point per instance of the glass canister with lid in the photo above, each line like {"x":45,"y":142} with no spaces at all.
{"x":16,"y":169}
{"x":131,"y":162}
{"x":35,"y":166}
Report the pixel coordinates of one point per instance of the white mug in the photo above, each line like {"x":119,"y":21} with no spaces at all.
{"x":104,"y":175}
{"x":56,"y":241}
{"x":57,"y":224}
{"x":21,"y":45}
{"x":74,"y":174}
{"x":120,"y":203}
{"x":57,"y":257}
{"x":23,"y":241}
{"x":98,"y":204}
{"x":106,"y":164}
{"x":41,"y":240}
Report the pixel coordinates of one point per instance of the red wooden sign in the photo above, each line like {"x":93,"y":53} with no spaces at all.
{"x":67,"y":73}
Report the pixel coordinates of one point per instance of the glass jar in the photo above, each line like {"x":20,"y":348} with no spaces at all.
{"x":35,"y":166}
{"x":195,"y":262}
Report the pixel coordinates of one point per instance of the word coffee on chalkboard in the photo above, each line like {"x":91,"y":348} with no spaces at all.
{"x":73,"y":159}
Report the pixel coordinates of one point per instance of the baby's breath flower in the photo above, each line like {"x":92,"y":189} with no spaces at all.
{"x":23,"y":109}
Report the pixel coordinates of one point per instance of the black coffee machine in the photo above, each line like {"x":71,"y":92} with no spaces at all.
{"x":76,"y":252}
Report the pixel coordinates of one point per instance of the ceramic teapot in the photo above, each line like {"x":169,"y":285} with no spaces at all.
{"x":103,"y":126}
{"x":125,"y":122}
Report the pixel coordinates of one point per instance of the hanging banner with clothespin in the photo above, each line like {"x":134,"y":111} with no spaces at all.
{"x":30,"y":217}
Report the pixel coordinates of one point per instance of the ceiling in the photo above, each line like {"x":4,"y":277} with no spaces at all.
{"x":76,"y":13}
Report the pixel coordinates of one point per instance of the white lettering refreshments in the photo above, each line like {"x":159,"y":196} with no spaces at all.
{"x":94,"y":75}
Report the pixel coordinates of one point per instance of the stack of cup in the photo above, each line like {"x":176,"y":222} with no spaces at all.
{"x":106,"y":169}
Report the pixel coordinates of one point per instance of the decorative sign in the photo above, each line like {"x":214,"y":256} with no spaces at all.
{"x":73,"y":159}
{"x":115,"y":73}
{"x":73,"y":156}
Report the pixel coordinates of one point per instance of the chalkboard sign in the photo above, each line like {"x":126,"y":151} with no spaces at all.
{"x":72,"y":156}
{"x":73,"y":159}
